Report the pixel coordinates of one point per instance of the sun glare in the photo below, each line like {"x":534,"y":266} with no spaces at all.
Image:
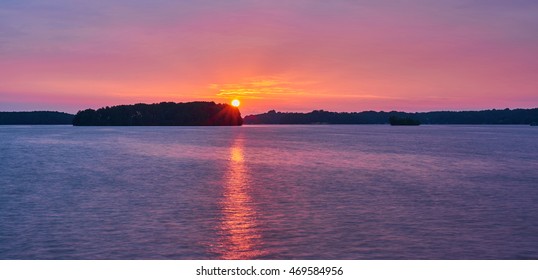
{"x":236,"y":103}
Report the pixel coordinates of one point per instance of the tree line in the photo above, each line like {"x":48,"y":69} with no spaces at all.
{"x":161,"y":114}
{"x":35,"y":117}
{"x":506,"y":116}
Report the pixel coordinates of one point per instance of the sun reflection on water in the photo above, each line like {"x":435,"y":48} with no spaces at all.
{"x":240,"y":238}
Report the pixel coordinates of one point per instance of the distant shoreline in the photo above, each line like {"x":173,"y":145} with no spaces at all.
{"x":36,"y":118}
{"x":317,"y":117}
{"x":485,"y":117}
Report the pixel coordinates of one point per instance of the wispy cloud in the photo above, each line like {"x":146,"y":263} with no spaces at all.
{"x":260,"y":88}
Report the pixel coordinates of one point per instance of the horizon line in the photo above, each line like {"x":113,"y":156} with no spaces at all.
{"x":289,"y":112}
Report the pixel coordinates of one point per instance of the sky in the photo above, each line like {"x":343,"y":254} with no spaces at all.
{"x":286,"y":55}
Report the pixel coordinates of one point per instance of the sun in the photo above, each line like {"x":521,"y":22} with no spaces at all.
{"x":236,"y":102}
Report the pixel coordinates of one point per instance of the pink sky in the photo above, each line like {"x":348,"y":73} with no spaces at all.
{"x":284,"y":55}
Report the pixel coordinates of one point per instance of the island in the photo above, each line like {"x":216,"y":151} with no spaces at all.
{"x":393,"y":120}
{"x":36,"y":118}
{"x":161,"y":114}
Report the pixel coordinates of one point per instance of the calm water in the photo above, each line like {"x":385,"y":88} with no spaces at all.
{"x":269,"y":192}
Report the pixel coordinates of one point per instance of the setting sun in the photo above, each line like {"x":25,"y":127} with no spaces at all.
{"x":236,"y":103}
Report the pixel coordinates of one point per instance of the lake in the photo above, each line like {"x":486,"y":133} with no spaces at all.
{"x":269,"y":192}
